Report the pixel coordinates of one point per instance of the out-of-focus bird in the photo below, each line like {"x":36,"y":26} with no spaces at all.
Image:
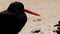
{"x":57,"y":24}
{"x":13,"y":19}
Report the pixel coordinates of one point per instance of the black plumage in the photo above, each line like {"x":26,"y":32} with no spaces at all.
{"x":12,"y":19}
{"x":58,"y":28}
{"x":57,"y":24}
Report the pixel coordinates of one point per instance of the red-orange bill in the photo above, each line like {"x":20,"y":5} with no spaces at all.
{"x":28,"y":11}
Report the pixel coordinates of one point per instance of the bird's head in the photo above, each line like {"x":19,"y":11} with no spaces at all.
{"x":16,"y":6}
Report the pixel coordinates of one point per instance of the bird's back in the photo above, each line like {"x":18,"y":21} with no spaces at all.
{"x":10,"y":24}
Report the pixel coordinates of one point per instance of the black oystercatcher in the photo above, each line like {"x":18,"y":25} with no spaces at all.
{"x":13,"y":19}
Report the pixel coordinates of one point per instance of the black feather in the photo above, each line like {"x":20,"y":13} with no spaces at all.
{"x":13,"y":19}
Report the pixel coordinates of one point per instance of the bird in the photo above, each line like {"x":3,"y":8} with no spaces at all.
{"x":57,"y":24}
{"x":13,"y":19}
{"x":58,"y":28}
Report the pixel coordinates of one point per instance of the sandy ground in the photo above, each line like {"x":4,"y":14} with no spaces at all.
{"x":49,"y":10}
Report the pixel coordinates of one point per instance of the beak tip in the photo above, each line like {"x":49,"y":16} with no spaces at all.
{"x":38,"y":15}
